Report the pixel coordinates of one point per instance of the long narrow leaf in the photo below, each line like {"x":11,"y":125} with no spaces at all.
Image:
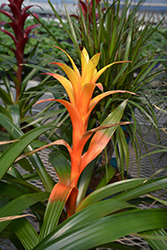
{"x":17,"y":133}
{"x":109,"y":190}
{"x":13,"y":151}
{"x":18,"y":205}
{"x":25,"y":233}
{"x":108,"y":229}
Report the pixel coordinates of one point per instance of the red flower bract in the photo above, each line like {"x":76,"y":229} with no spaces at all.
{"x":20,"y":37}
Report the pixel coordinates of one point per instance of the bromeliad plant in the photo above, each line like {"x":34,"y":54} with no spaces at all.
{"x":87,"y":8}
{"x":15,"y":97}
{"x":80,"y":88}
{"x":20,"y":37}
{"x":69,"y":220}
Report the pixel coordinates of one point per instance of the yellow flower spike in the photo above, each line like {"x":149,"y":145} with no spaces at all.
{"x":85,"y":55}
{"x":73,"y":79}
{"x":94,"y":73}
{"x":100,"y":72}
{"x":90,"y":69}
{"x":66,"y":84}
{"x":72,"y":62}
{"x":84,"y":60}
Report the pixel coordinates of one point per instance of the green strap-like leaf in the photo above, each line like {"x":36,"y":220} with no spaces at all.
{"x":10,"y":155}
{"x":6,"y":81}
{"x":5,"y":97}
{"x":18,"y":205}
{"x":89,"y":215}
{"x":9,"y":191}
{"x":5,"y":112}
{"x":25,"y":233}
{"x":110,"y":171}
{"x":56,"y":203}
{"x":107,"y":230}
{"x":109,"y":190}
{"x":61,"y":165}
{"x":26,"y":187}
{"x":13,"y":151}
{"x":157,"y":239}
{"x":85,"y":180}
{"x":15,"y":114}
{"x":147,"y":187}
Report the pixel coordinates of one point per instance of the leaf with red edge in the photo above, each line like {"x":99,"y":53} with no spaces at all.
{"x":61,"y":166}
{"x":75,"y":16}
{"x":74,"y":164}
{"x":58,"y":198}
{"x":102,"y":137}
{"x":102,"y":127}
{"x":58,"y":142}
{"x":44,"y":100}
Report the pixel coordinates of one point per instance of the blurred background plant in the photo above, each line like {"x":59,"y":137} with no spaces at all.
{"x":40,"y":35}
{"x":22,"y":58}
{"x":20,"y":37}
{"x":158,"y":88}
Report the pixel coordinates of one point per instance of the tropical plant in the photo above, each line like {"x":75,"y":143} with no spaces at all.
{"x":14,"y":75}
{"x":40,"y":35}
{"x":119,"y":35}
{"x":86,"y":9}
{"x":69,"y":220}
